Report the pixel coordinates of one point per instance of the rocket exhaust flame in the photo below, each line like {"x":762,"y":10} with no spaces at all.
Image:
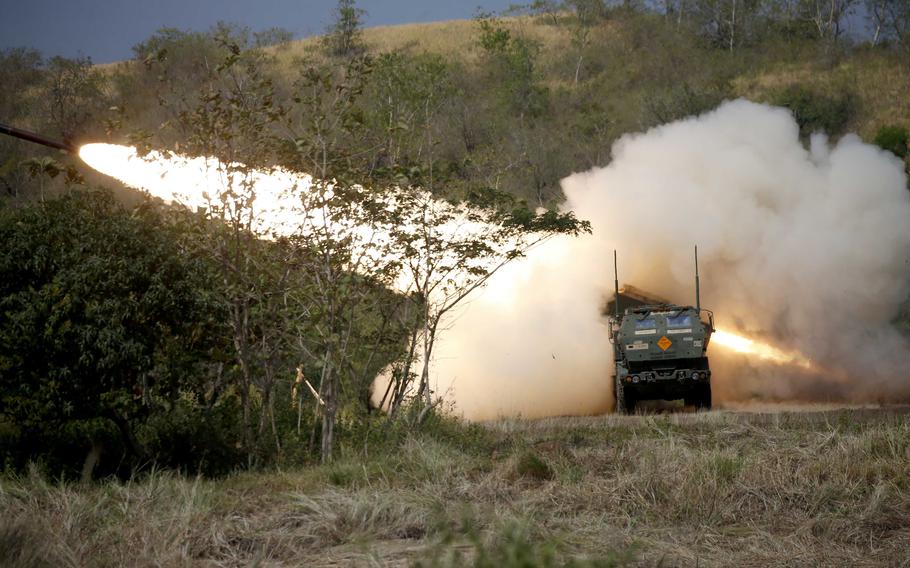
{"x":194,"y":182}
{"x":752,"y":347}
{"x":279,"y":202}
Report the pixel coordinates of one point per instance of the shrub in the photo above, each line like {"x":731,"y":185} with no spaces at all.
{"x":102,"y":319}
{"x":817,"y":112}
{"x":678,"y":103}
{"x":196,"y":439}
{"x":894,"y":139}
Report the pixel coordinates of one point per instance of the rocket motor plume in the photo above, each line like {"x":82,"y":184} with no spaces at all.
{"x":805,"y":248}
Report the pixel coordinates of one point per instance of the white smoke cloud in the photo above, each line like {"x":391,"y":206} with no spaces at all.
{"x":807,"y":249}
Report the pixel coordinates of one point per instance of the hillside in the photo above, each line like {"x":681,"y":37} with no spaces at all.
{"x":515,"y":103}
{"x":878,"y":79}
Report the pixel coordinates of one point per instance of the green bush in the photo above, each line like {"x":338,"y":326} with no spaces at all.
{"x":103,"y":321}
{"x":196,"y":439}
{"x":893,"y":138}
{"x":678,"y":103}
{"x":817,"y":112}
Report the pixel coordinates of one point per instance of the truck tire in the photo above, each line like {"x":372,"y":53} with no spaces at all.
{"x":703,"y":401}
{"x":631,"y":402}
{"x":625,"y":400}
{"x":692,"y":398}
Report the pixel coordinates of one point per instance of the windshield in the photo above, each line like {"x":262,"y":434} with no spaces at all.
{"x":684,"y":320}
{"x":647,"y":323}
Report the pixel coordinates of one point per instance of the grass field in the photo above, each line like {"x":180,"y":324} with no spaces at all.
{"x":806,"y":488}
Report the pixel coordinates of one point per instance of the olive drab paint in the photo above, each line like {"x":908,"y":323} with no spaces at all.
{"x":659,"y":348}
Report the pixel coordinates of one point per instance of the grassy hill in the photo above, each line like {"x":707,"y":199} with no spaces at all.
{"x":879,"y":79}
{"x":637,"y":71}
{"x":517,"y":103}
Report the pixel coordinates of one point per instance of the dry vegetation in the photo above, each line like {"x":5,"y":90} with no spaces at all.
{"x":453,"y":38}
{"x":720,"y":488}
{"x":880,"y":84}
{"x":879,"y":81}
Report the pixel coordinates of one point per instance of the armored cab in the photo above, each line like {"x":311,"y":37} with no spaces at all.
{"x":660,"y":349}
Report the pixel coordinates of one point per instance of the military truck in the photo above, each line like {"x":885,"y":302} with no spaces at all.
{"x":660,"y":348}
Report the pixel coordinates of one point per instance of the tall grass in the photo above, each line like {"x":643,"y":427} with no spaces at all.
{"x":797,"y":488}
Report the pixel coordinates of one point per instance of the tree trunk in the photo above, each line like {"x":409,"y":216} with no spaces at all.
{"x":127,"y":434}
{"x":91,"y":460}
{"x":328,"y":418}
{"x":429,"y":339}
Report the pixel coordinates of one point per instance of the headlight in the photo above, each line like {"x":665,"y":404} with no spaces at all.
{"x":634,"y":378}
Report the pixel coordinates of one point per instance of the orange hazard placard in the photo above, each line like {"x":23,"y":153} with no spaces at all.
{"x":664,"y":343}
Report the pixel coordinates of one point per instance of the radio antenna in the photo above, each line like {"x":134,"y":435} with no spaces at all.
{"x":697,"y":290}
{"x":616,"y":284}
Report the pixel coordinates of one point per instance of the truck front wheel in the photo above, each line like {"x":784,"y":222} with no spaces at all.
{"x":700,"y":397}
{"x":625,"y":400}
{"x":703,"y":401}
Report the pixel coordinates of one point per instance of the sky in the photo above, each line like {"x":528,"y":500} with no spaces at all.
{"x":106,"y":30}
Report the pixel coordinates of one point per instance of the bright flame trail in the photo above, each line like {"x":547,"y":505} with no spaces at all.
{"x":763,"y":351}
{"x":194,"y":182}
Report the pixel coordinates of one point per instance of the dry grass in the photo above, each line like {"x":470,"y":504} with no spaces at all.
{"x":455,"y":39}
{"x":880,"y":82}
{"x":713,"y":489}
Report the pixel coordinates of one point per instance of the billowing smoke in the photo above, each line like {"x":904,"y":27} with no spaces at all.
{"x":806,"y":249}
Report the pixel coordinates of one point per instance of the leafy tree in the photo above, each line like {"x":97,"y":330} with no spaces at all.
{"x":308,"y":301}
{"x":512,"y":65}
{"x":102,"y":320}
{"x":75,"y":95}
{"x":343,"y":36}
{"x":231,"y":119}
{"x":449,"y":250}
{"x":409,"y":96}
{"x":587,"y":14}
{"x":60,"y":97}
{"x":890,"y":20}
{"x":339,"y":240}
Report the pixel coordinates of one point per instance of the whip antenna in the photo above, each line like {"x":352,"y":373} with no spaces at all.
{"x":697,"y":290}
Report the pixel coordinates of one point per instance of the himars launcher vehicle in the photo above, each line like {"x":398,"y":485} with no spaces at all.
{"x":660,"y":349}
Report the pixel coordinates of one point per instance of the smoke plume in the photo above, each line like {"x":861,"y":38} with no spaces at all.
{"x":806,"y":249}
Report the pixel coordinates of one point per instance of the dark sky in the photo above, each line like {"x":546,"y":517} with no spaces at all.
{"x":106,"y":30}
